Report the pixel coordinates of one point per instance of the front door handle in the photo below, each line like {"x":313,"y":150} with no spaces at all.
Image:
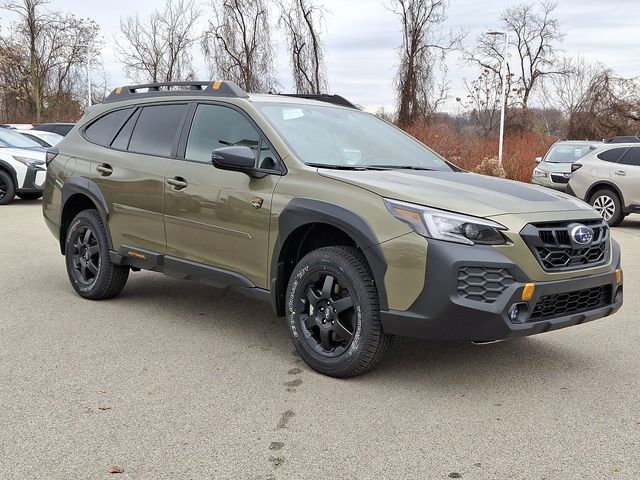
{"x":622,"y":173}
{"x":105,"y":169}
{"x":177,"y":183}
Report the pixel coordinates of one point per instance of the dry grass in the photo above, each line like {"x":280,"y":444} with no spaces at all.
{"x":469,"y":151}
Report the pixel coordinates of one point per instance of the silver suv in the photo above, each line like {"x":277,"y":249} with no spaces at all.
{"x":554,"y":169}
{"x":609,"y":179}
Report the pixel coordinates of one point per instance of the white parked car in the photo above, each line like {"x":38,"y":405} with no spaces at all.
{"x":22,"y":173}
{"x":46,"y":139}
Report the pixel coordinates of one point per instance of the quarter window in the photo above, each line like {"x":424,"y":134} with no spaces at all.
{"x":157,"y":129}
{"x":612,"y":155}
{"x":105,"y":128}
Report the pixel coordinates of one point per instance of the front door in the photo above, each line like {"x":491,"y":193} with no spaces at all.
{"x":215,"y":217}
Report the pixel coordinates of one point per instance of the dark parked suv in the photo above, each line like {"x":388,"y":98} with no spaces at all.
{"x":350,"y":228}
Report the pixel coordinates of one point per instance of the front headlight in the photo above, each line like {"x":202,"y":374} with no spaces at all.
{"x":450,"y":227}
{"x":539,"y":173}
{"x":29,"y":162}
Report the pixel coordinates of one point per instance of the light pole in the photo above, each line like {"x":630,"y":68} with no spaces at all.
{"x":88,"y":47}
{"x":503,"y":94}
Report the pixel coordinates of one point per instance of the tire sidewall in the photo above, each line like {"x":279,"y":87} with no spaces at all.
{"x":618,"y":215}
{"x":11,"y":188}
{"x":364,"y":311}
{"x":86,"y":219}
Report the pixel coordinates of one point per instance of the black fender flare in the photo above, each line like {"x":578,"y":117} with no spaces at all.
{"x":11,"y":171}
{"x":84,"y":186}
{"x":304,"y":211}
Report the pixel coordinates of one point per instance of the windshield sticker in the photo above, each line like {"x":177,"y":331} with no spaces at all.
{"x":292,"y":113}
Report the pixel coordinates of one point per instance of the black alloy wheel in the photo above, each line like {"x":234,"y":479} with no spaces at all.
{"x":328,"y":319}
{"x":85,"y":255}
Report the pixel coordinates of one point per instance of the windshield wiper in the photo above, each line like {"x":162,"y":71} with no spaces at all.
{"x":396,"y":167}
{"x":336,"y":167}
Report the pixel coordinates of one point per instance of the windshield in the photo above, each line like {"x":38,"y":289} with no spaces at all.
{"x":341,"y":138}
{"x":16,"y":140}
{"x":567,"y":153}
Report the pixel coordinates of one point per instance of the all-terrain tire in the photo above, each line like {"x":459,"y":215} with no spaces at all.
{"x":90,"y":270}
{"x":333,"y":312}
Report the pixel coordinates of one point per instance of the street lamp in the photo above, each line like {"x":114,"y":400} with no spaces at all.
{"x":88,"y":47}
{"x":503,"y":95}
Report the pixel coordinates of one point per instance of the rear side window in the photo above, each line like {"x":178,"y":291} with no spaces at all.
{"x":121,"y":142}
{"x":612,"y":155}
{"x":632,"y":157}
{"x":157,"y":129}
{"x":105,"y":128}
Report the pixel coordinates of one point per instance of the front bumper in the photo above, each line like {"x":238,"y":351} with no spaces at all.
{"x":547,"y":182}
{"x":33,"y":180}
{"x":441,"y":312}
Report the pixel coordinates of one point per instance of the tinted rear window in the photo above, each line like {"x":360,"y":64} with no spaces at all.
{"x":105,"y":128}
{"x":157,"y":129}
{"x":612,"y":155}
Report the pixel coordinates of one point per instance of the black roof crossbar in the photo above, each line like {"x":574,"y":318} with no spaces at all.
{"x":188,"y":87}
{"x":323,"y":97}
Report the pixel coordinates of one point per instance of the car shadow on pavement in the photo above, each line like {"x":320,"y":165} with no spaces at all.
{"x":249,"y":323}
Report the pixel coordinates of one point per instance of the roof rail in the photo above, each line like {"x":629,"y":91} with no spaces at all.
{"x":323,"y":97}
{"x":188,"y":87}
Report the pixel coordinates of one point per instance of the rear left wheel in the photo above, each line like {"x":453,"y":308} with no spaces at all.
{"x":89,"y":266}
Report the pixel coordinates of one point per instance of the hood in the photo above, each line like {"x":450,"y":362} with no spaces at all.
{"x":25,"y":152}
{"x":468,"y":193}
{"x":555,"y":167}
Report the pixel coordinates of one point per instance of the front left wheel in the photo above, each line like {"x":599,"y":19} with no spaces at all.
{"x":89,"y":266}
{"x":7,"y":188}
{"x":334,"y":314}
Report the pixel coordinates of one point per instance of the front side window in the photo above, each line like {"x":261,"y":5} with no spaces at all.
{"x":157,"y":129}
{"x":215,"y":126}
{"x":333,"y":137}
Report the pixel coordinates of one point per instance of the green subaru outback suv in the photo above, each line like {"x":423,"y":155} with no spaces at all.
{"x":351,"y":229}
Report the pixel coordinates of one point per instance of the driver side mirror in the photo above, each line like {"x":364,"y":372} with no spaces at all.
{"x":538,"y":159}
{"x":237,"y":159}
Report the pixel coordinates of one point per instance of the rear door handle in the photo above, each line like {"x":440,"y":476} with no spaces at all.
{"x":622,"y":173}
{"x":177,"y":183}
{"x":105,"y":169}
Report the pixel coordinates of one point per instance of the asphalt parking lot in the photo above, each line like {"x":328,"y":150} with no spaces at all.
{"x":178,"y":380}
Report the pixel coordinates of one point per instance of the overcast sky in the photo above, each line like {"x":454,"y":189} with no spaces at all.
{"x":362,"y":36}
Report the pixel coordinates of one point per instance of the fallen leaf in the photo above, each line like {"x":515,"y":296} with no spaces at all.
{"x":104,"y":408}
{"x":116,"y":469}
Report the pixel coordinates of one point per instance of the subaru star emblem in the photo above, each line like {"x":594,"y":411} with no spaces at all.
{"x":582,"y":235}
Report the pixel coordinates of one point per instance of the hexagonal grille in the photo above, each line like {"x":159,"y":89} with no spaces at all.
{"x":483,"y":284}
{"x":559,"y":304}
{"x":552,"y":245}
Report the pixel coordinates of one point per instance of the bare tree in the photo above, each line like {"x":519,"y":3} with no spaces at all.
{"x":423,"y":46}
{"x":482,"y":101}
{"x":50,"y":52}
{"x":610,"y":106}
{"x":158,"y":49}
{"x":301,"y":21}
{"x":533,"y":32}
{"x":567,"y":92}
{"x":237,"y":46}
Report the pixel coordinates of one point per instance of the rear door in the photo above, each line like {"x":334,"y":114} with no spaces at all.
{"x":626,"y":174}
{"x":130,"y":172}
{"x":216,"y":217}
